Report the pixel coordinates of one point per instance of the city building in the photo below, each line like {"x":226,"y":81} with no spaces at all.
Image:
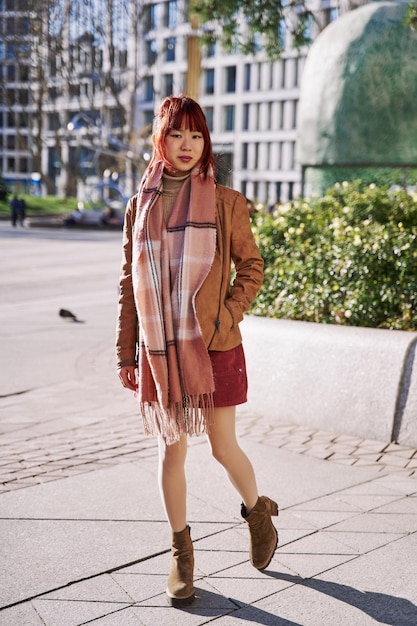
{"x":80,"y":83}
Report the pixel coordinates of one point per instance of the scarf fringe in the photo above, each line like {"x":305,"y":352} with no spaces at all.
{"x":193,"y":417}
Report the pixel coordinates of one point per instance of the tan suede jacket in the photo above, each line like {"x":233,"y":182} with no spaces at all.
{"x":219,"y":304}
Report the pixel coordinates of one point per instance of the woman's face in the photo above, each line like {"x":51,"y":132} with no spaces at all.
{"x":184,"y":149}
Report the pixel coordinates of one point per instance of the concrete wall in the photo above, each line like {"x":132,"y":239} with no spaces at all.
{"x":354,"y":381}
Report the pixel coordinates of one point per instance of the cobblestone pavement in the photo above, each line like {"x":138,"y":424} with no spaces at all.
{"x":53,"y":456}
{"x":56,"y":419}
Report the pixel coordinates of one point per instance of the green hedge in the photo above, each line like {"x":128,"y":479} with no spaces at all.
{"x":348,"y":257}
{"x":41,"y":205}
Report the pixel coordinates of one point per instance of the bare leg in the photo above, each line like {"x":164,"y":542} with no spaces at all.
{"x":172,"y":482}
{"x":226,"y":450}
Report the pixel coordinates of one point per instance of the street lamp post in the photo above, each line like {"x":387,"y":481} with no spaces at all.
{"x":193,"y":57}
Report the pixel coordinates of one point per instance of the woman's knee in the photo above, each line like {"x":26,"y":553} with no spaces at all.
{"x":223,"y":452}
{"x":172,"y":457}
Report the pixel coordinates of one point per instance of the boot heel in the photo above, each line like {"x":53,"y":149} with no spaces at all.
{"x":262,"y":532}
{"x":273,"y":508}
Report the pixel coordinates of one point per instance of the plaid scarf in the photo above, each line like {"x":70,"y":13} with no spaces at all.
{"x":169,"y":264}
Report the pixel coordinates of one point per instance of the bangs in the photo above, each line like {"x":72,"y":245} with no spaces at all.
{"x":187,"y":120}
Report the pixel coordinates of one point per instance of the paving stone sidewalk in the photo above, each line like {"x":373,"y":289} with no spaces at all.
{"x":84,"y":536}
{"x":45,"y":457}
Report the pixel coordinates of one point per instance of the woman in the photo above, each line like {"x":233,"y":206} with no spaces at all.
{"x":179,"y":346}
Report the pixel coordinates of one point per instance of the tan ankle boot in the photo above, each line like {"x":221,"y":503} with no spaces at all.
{"x":263,"y":534}
{"x":180,"y":587}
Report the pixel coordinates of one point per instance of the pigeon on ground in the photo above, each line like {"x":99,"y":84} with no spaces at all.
{"x":68,"y":315}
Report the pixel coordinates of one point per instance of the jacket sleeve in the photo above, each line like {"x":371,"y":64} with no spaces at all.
{"x":127,"y":321}
{"x":247,"y":261}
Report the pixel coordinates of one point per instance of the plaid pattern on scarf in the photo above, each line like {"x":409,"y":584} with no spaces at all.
{"x":170,"y":263}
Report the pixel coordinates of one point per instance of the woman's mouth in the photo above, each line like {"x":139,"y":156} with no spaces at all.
{"x":185,"y":159}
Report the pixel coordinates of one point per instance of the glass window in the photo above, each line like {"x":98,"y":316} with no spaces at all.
{"x":229,"y":117}
{"x":245,"y":149}
{"x":23,"y":165}
{"x":209,"y":113}
{"x":23,"y":120}
{"x":53,"y":93}
{"x":24,"y":73}
{"x":258,"y":116}
{"x":148,"y":88}
{"x":116,"y":118}
{"x":259,"y":76}
{"x":247,"y":74}
{"x":280,"y":154}
{"x":211,"y":49}
{"x":245,"y":121}
{"x":171,"y":14}
{"x":11,"y":50}
{"x":292,"y":155}
{"x":210,"y":81}
{"x":150,"y":52}
{"x":257,"y":41}
{"x":74,"y":91}
{"x":22,"y":142}
{"x":281,"y":115}
{"x":10,"y":26}
{"x":23,"y":26}
{"x":148,"y":118}
{"x":54,"y":164}
{"x":23,"y":50}
{"x":153,"y":17}
{"x":53,"y":121}
{"x":231,"y":79}
{"x":149,"y":17}
{"x":282,"y":34}
{"x":278,"y":191}
{"x":170,"y":49}
{"x":256,"y":156}
{"x":268,"y":152}
{"x":11,"y":73}
{"x":168,"y":85}
{"x":294,"y":113}
{"x":333,"y":14}
{"x":283,"y":68}
{"x":269,"y":122}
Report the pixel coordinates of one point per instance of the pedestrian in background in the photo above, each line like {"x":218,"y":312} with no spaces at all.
{"x":18,"y":210}
{"x":179,"y":346}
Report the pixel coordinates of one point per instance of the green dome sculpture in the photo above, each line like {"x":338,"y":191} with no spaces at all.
{"x":358,"y":100}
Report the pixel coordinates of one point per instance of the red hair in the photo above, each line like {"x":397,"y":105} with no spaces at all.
{"x":180,"y":113}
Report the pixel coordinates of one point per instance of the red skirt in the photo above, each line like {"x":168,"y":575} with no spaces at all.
{"x":230,"y":378}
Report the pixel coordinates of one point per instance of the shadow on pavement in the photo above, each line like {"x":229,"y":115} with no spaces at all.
{"x":383,"y":608}
{"x":214,"y":605}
